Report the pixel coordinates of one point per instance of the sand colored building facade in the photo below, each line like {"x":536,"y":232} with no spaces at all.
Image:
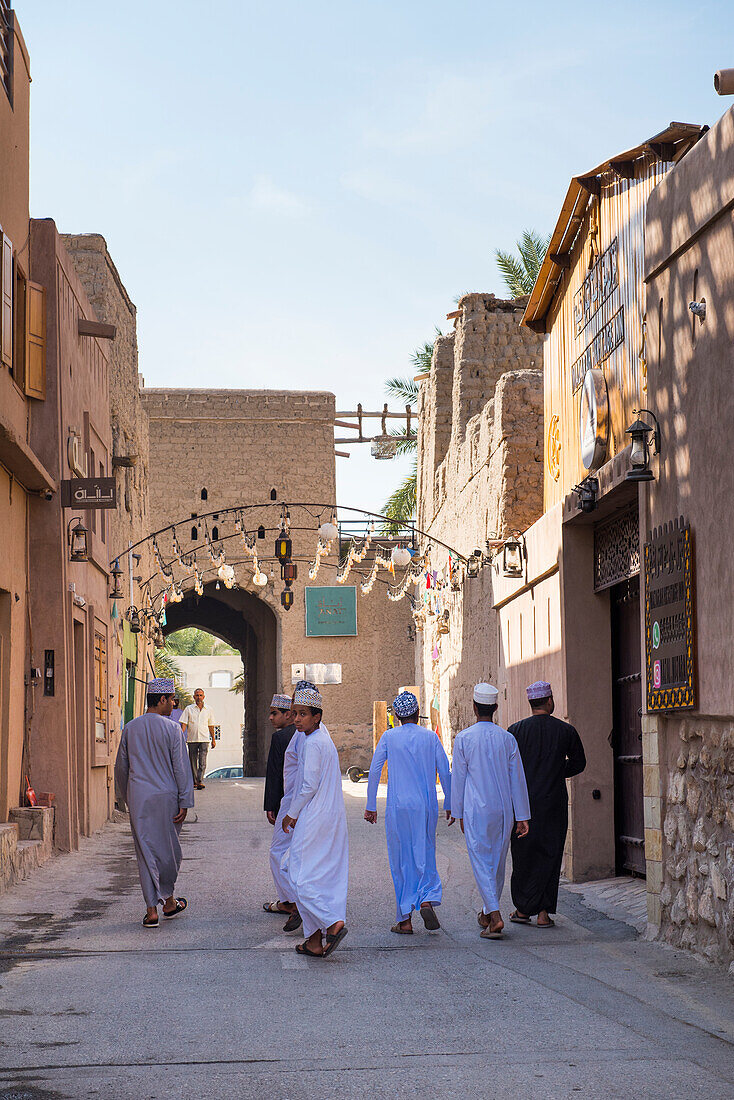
{"x":212,"y":450}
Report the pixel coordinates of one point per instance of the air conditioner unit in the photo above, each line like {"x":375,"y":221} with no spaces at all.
{"x":76,"y":455}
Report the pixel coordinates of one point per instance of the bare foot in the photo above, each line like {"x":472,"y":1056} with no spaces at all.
{"x":406,"y":924}
{"x":314,"y":943}
{"x":544,"y":918}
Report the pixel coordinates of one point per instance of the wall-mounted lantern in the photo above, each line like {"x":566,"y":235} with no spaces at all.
{"x":474,"y":564}
{"x":513,"y":555}
{"x":133,"y":617}
{"x":639,"y":431}
{"x":116,"y":573}
{"x":587,"y":491}
{"x":77,"y":537}
{"x":283,"y":547}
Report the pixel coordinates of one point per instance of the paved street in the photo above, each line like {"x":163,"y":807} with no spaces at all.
{"x":216,"y":1004}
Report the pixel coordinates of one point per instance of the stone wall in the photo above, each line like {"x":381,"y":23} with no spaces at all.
{"x":698,"y":826}
{"x":480,"y":471}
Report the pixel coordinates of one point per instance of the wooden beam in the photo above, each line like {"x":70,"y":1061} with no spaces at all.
{"x":560,"y":260}
{"x":342,"y":454}
{"x":96,"y":328}
{"x":625,"y":169}
{"x":422,"y":377}
{"x":536,"y":326}
{"x":592,"y":184}
{"x":455,"y":313}
{"x":663,"y":150}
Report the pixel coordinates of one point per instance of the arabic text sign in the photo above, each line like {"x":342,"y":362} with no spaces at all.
{"x":89,"y":492}
{"x":331,"y":611}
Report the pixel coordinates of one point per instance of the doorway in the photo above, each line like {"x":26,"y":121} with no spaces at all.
{"x":627,"y":727}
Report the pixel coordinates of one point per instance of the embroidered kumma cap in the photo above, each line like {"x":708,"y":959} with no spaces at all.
{"x":301,"y":684}
{"x":405,"y":704}
{"x":308,"y":697}
{"x":281,"y":702}
{"x":486,"y":694}
{"x":541,"y":689}
{"x":161,"y":686}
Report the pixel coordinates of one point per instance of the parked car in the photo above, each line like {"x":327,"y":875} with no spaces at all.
{"x":233,"y":772}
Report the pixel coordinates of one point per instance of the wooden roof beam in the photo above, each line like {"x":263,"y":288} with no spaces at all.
{"x":560,"y":260}
{"x":663,"y":150}
{"x":592,"y":184}
{"x":625,"y":169}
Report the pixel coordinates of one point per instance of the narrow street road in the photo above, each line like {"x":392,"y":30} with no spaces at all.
{"x":217,"y":1004}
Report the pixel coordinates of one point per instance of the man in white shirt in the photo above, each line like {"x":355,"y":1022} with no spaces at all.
{"x":197,"y":722}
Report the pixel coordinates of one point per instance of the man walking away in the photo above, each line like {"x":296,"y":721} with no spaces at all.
{"x":154,"y":778}
{"x":276,"y":787}
{"x":488,"y":794}
{"x":551,"y":753}
{"x":414,"y":754}
{"x":197,"y":722}
{"x":176,"y":712}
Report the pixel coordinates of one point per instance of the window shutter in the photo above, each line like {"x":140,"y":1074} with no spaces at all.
{"x":6,"y":318}
{"x":35,"y":341}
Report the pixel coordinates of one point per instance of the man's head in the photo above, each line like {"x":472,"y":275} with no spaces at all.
{"x":280,"y":712}
{"x":485,"y":699}
{"x":405,"y":708}
{"x":176,"y":702}
{"x":199,"y":697}
{"x":307,"y":709}
{"x":160,"y":694}
{"x":540,"y":697}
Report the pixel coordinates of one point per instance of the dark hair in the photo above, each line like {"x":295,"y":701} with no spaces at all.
{"x":282,"y":710}
{"x":484,"y":710}
{"x":316,"y":710}
{"x":540,"y":702}
{"x":409,"y":717}
{"x":154,"y":697}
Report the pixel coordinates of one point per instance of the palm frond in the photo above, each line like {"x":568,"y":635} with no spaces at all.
{"x":166,"y":665}
{"x":400,"y":505}
{"x":532,"y":248}
{"x":514,"y":274}
{"x":192,"y":642}
{"x":238,"y":685}
{"x":407,"y":443}
{"x":404,"y":390}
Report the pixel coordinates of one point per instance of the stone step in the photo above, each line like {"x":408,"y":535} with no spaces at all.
{"x":26,"y":842}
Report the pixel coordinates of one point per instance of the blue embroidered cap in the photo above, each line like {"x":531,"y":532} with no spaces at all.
{"x":405,"y":704}
{"x":308,"y":697}
{"x":301,"y":684}
{"x":161,"y":686}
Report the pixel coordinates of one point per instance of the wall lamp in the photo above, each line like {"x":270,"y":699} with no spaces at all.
{"x":133,"y":617}
{"x":474,"y":564}
{"x":77,"y":538}
{"x":514,"y":553}
{"x":587,"y":491}
{"x":639,"y":431}
{"x":116,"y":573}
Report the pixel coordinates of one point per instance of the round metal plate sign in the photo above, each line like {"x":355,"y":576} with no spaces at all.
{"x":594,"y":420}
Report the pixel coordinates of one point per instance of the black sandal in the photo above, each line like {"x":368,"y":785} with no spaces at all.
{"x":302,"y":949}
{"x":181,"y":904}
{"x":333,"y":941}
{"x":149,"y":922}
{"x":429,"y":918}
{"x":294,"y":921}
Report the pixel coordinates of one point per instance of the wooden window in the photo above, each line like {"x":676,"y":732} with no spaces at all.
{"x":6,"y":49}
{"x":102,"y":513}
{"x":100,"y":687}
{"x":34,"y":351}
{"x":19,"y":333}
{"x":6,"y":302}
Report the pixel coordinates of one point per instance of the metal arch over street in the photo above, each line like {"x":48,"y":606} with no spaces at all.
{"x":331,"y":509}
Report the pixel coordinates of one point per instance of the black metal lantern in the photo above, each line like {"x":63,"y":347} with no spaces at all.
{"x":286,"y":598}
{"x":116,"y":573}
{"x":512,"y":556}
{"x":133,"y":618}
{"x":473,"y":565}
{"x":640,"y":432}
{"x":283,"y":547}
{"x":77,"y":540}
{"x":587,"y":491}
{"x":289,"y":572}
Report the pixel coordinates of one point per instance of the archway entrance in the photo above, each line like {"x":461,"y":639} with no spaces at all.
{"x":250,"y":626}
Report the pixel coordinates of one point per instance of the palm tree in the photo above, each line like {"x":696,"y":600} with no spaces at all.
{"x":400,"y":505}
{"x":520,"y":272}
{"x":167,"y":666}
{"x":192,"y":642}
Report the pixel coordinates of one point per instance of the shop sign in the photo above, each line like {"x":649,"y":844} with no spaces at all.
{"x":669,"y":622}
{"x":331,"y":611}
{"x":607,"y":340}
{"x":89,"y":492}
{"x":602,"y":279}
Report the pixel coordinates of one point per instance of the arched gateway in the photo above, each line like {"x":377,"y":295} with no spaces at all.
{"x":248,"y":624}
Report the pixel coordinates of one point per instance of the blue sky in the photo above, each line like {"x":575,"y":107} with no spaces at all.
{"x":295,"y":193}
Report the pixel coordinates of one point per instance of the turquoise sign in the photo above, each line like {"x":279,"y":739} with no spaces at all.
{"x":331,"y":612}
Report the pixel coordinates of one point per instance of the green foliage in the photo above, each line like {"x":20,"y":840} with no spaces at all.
{"x":400,"y":505}
{"x":405,"y":390}
{"x":192,"y":642}
{"x":520,"y":271}
{"x":167,"y":666}
{"x":238,"y":685}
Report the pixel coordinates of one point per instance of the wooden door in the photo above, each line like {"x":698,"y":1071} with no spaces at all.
{"x":627,"y":730}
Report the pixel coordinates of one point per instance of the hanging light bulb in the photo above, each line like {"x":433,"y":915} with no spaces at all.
{"x":401,"y":557}
{"x":260,"y":579}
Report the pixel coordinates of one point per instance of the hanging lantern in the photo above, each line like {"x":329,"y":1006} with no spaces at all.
{"x":226,"y":575}
{"x":134,"y":620}
{"x":260,"y":579}
{"x":289,"y":572}
{"x":400,"y":557}
{"x":512,"y":557}
{"x":116,"y":573}
{"x":283,"y":547}
{"x":328,"y":531}
{"x":286,"y":598}
{"x":77,"y":540}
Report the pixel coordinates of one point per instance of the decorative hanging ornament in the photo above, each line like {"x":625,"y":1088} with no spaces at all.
{"x":328,"y":531}
{"x":401,"y":557}
{"x":260,"y":579}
